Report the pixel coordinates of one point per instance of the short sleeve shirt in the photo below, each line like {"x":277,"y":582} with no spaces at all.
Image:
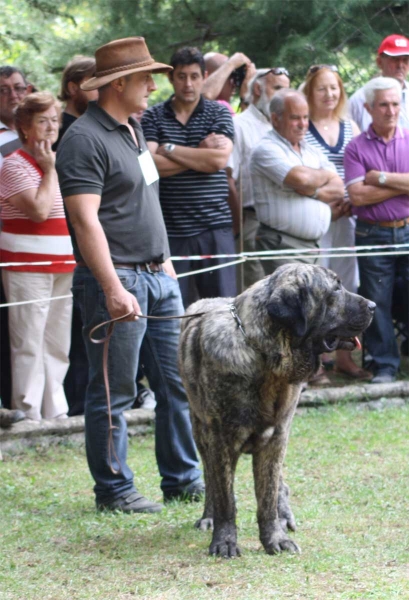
{"x":192,"y":201}
{"x":368,"y":152}
{"x":98,"y":155}
{"x":279,"y":206}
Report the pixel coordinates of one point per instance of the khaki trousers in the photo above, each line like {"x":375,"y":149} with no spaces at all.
{"x":271,"y":239}
{"x":251,"y":271}
{"x":39,"y":341}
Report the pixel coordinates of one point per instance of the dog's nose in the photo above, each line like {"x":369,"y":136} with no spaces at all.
{"x":371,"y":306}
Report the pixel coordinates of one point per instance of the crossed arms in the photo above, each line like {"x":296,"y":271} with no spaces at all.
{"x":323,"y":185}
{"x":370,"y":191}
{"x":209,"y":157}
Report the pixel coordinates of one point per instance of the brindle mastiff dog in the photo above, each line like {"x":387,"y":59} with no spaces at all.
{"x":243,"y":363}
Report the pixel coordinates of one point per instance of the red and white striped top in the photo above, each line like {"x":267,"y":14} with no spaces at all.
{"x":21,"y":239}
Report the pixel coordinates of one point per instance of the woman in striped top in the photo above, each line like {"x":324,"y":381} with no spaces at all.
{"x":330,"y":132}
{"x":34,"y":230}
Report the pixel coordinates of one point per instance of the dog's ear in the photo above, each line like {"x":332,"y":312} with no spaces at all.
{"x":288,"y":309}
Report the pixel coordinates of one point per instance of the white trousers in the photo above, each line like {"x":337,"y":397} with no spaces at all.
{"x":341,"y":234}
{"x":40,"y":337}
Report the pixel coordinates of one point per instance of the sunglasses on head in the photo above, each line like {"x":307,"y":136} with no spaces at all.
{"x":276,"y":71}
{"x":316,"y":68}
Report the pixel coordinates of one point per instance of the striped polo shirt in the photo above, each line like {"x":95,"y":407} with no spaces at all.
{"x":21,"y":239}
{"x":192,"y":202}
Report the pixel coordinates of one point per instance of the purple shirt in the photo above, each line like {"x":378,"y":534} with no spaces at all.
{"x":368,"y":152}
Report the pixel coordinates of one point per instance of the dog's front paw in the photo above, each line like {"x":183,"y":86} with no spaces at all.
{"x":224,"y":548}
{"x":280,"y":542}
{"x":224,"y":541}
{"x":204,"y":524}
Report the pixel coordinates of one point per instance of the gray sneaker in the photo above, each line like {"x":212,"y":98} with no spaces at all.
{"x":383,"y":378}
{"x":131,"y":503}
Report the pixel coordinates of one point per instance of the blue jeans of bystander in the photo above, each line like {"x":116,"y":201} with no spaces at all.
{"x":377,"y":277}
{"x":156,"y":343}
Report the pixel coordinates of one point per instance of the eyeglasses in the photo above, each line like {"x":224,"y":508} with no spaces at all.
{"x":18,"y":89}
{"x":316,"y":68}
{"x":276,"y":71}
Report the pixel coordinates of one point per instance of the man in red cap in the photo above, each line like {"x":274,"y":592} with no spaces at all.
{"x":393,"y":61}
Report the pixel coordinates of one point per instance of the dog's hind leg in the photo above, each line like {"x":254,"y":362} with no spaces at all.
{"x":267,"y":464}
{"x":205,"y":523}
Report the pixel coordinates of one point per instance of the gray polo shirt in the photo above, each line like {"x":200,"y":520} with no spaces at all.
{"x":279,"y":206}
{"x":99,"y":156}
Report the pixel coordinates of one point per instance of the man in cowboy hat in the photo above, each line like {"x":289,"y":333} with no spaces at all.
{"x":110,"y":188}
{"x":393,"y":61}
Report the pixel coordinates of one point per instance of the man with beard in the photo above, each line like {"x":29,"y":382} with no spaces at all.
{"x":77,"y":72}
{"x":249,"y":127}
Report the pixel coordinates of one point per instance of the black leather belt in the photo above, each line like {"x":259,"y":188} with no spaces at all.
{"x":151,"y":267}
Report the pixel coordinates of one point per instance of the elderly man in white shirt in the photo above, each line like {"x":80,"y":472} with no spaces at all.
{"x":393,"y":61}
{"x":296,"y":188}
{"x":249,"y":128}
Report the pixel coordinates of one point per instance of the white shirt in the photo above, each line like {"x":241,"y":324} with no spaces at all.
{"x":362,"y":117}
{"x":278,"y":206}
{"x":249,"y":127}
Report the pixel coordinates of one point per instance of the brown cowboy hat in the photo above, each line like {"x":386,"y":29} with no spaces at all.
{"x":120,"y":58}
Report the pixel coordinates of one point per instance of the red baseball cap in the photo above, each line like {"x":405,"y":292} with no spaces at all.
{"x":394,"y":45}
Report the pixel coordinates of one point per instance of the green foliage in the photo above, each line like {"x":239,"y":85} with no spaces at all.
{"x":42,"y":35}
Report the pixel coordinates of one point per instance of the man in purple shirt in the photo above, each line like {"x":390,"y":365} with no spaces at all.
{"x":377,"y":178}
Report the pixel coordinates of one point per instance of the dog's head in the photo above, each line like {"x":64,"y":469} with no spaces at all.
{"x":311,"y":303}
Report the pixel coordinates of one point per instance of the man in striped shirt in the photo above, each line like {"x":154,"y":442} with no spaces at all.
{"x":191,"y":139}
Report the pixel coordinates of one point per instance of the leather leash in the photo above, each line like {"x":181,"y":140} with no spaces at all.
{"x":105,"y":340}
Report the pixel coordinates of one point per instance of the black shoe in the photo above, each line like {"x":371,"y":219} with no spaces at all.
{"x":132,"y":503}
{"x":192,"y":493}
{"x":8,"y":417}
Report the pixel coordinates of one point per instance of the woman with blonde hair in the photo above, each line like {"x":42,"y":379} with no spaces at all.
{"x":34,"y":230}
{"x":330,"y":132}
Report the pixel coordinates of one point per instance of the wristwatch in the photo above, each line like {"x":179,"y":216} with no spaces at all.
{"x":382,"y":178}
{"x":169,"y":148}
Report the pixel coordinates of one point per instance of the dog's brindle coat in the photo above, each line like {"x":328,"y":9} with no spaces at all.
{"x":243,"y":389}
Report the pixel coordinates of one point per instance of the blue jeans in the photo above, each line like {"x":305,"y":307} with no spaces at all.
{"x":377,"y":277}
{"x":156,"y":344}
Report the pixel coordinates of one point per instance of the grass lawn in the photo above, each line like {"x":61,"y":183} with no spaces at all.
{"x":348,"y":470}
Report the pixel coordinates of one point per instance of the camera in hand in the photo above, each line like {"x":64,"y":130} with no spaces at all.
{"x":238,"y":76}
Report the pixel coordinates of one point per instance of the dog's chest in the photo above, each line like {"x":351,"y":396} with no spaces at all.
{"x":277,"y":399}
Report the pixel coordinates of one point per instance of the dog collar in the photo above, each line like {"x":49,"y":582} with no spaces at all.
{"x":233,"y":312}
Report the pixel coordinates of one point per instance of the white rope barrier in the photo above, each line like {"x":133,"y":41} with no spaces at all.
{"x":37,"y":300}
{"x":342,"y":252}
{"x":350,"y":251}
